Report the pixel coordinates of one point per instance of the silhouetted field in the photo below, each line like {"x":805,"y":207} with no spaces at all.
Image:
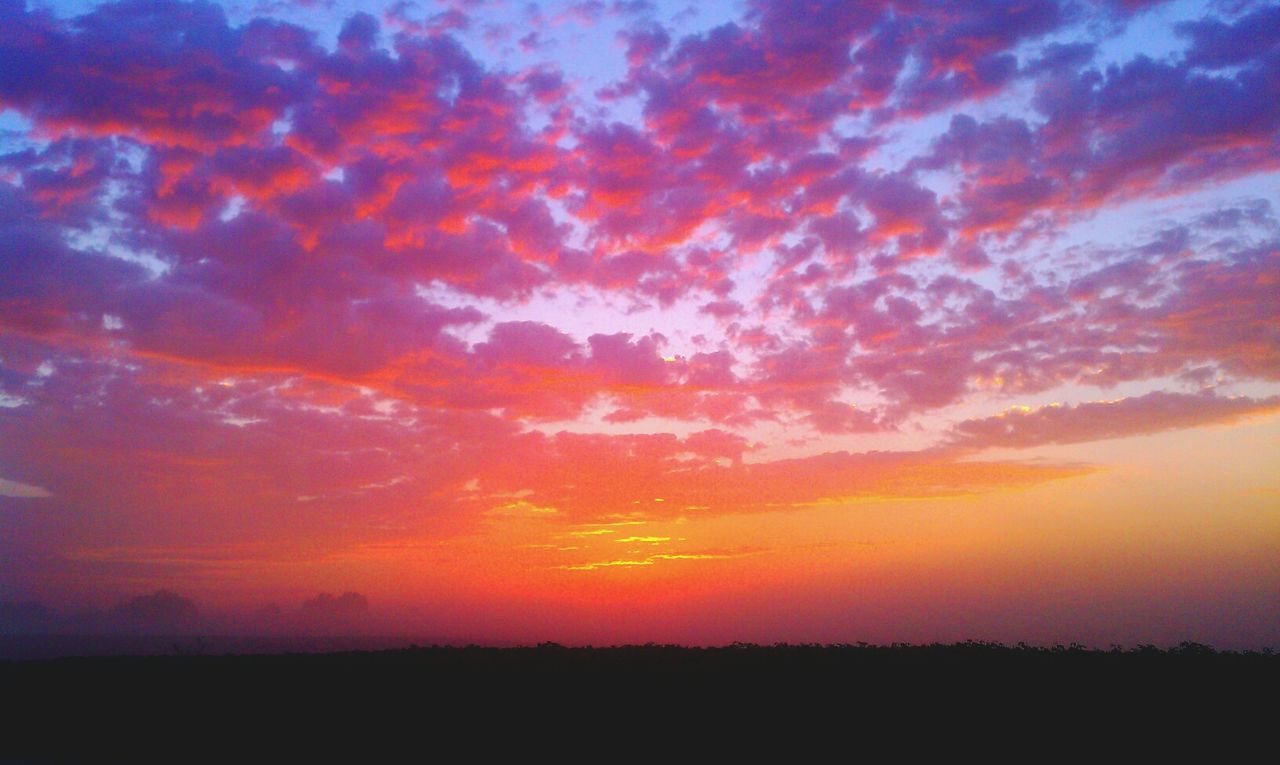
{"x":309,"y":702}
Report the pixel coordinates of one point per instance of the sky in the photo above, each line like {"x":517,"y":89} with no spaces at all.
{"x":624,"y":321}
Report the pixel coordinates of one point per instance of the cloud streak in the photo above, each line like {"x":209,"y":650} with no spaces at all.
{"x":1099,"y":420}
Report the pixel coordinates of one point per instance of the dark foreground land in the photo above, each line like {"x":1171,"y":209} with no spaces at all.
{"x":550,"y":699}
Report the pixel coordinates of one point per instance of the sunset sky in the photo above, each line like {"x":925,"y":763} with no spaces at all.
{"x":625,"y":320}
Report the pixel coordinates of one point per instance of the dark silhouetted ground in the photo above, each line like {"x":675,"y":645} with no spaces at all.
{"x":552,"y":701}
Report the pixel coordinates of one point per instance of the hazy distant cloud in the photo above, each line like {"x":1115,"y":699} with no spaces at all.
{"x":328,"y":608}
{"x":1095,"y":421}
{"x":160,"y":608}
{"x":23,"y":616}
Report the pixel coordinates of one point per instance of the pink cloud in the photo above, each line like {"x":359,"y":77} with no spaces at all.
{"x":1095,"y":421}
{"x":216,"y":236}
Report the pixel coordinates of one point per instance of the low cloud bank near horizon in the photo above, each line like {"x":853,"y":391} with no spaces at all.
{"x":165,"y":612}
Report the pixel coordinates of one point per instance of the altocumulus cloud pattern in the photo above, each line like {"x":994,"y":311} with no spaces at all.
{"x":577,"y":303}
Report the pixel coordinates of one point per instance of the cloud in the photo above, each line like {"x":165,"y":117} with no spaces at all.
{"x":271,"y":261}
{"x":1216,"y":44}
{"x":334,"y":609}
{"x":28,"y":616}
{"x":295,"y":281}
{"x":16,"y":489}
{"x":592,"y":477}
{"x":1095,"y":421}
{"x":161,"y":608}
